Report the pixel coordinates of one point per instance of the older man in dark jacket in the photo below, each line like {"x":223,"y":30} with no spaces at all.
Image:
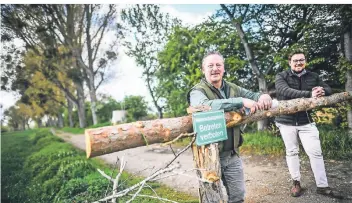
{"x":297,"y":82}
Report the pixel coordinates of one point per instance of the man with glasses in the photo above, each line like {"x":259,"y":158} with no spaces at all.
{"x":297,"y":82}
{"x":217,"y":93}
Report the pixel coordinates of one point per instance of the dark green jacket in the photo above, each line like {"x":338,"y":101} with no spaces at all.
{"x":231,"y":91}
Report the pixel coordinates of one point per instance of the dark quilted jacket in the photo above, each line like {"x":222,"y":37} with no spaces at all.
{"x":290,"y":86}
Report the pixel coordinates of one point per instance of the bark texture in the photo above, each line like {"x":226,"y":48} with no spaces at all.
{"x":110,"y":139}
{"x":207,"y":162}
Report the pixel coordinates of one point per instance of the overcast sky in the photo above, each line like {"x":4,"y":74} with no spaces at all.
{"x":127,"y":78}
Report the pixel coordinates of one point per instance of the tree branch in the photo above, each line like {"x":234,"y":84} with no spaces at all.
{"x":126,"y":191}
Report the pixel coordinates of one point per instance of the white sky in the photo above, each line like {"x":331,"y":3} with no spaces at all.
{"x":127,"y":75}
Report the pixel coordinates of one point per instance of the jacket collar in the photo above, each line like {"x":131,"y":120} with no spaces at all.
{"x":291,"y":73}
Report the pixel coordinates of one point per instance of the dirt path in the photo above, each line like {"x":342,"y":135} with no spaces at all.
{"x":267,"y":178}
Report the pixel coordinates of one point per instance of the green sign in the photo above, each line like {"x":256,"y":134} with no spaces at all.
{"x":210,"y":127}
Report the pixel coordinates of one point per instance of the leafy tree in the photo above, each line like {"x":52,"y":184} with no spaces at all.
{"x":269,"y":32}
{"x":105,"y":108}
{"x":136,"y":107}
{"x":150,"y":28}
{"x":180,"y":61}
{"x":80,"y":29}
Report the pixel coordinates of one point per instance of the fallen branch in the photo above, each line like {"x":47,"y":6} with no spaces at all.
{"x":183,"y":135}
{"x":126,"y":191}
{"x":116,"y":180}
{"x":159,"y":198}
{"x":180,"y":152}
{"x":110,"y":139}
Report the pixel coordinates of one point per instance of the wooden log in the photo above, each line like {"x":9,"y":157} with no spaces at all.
{"x":206,"y":159}
{"x":110,"y":139}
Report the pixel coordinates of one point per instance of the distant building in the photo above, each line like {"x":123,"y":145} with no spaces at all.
{"x":118,"y":116}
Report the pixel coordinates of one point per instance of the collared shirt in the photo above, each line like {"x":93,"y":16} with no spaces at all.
{"x":229,"y":104}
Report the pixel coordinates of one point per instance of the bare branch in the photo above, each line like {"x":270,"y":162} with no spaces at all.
{"x":108,"y":15}
{"x":179,"y":153}
{"x":116,"y":181}
{"x":135,"y":194}
{"x":126,"y":191}
{"x":159,"y":198}
{"x":104,"y":174}
{"x":183,"y":135}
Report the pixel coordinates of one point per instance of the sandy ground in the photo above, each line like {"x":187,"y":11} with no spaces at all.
{"x":267,"y":178}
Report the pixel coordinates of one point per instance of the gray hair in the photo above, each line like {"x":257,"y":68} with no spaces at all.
{"x":212,"y":53}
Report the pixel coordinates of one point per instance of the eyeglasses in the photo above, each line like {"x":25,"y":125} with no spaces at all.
{"x":299,"y":60}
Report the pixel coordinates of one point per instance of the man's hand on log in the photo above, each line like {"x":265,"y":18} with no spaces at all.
{"x":250,"y":104}
{"x":318,"y":92}
{"x":265,"y":102}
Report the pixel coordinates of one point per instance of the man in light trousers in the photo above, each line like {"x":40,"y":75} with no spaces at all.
{"x":297,"y":82}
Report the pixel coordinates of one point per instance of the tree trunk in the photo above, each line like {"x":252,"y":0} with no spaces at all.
{"x":60,"y":120}
{"x":27,"y":123}
{"x":39,"y":122}
{"x":81,"y":104}
{"x":262,"y":124}
{"x":348,"y":54}
{"x":93,"y":104}
{"x":24,"y":124}
{"x":207,"y":161}
{"x":160,"y":112}
{"x":69,"y":109}
{"x":110,"y":139}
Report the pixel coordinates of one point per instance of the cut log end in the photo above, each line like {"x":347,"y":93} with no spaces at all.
{"x":88,"y":144}
{"x":211,"y":176}
{"x":237,"y":117}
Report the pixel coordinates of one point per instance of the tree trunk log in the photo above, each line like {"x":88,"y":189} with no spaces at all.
{"x":207,"y":162}
{"x":81,"y":109}
{"x":110,"y":139}
{"x":348,"y":54}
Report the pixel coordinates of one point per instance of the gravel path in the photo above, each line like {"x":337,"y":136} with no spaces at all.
{"x":267,"y":178}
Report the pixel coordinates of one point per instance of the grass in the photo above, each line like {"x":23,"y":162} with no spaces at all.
{"x":72,"y":130}
{"x":262,"y":143}
{"x":336,"y":143}
{"x":45,"y":169}
{"x":81,"y":130}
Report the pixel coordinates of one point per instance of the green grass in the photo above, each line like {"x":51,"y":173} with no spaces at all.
{"x":45,"y":169}
{"x":336,"y":143}
{"x":72,"y":130}
{"x":262,"y":143}
{"x":81,"y":130}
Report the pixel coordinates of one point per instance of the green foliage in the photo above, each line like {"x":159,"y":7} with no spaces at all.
{"x":73,"y":130}
{"x":342,"y":67}
{"x":150,"y":28}
{"x":182,"y":56}
{"x":262,"y":143}
{"x":136,"y":107}
{"x":335,"y":142}
{"x":48,"y":170}
{"x":105,"y":107}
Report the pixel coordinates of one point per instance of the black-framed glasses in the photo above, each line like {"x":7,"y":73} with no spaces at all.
{"x":299,"y":60}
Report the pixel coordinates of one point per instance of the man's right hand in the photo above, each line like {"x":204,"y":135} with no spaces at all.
{"x":252,"y":105}
{"x":318,"y":92}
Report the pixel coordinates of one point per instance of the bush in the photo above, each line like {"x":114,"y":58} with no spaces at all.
{"x":54,"y":171}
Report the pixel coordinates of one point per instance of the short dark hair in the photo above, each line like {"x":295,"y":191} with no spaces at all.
{"x":296,"y":51}
{"x":212,"y":53}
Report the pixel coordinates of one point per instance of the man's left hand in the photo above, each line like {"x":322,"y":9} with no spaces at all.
{"x":264,"y":102}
